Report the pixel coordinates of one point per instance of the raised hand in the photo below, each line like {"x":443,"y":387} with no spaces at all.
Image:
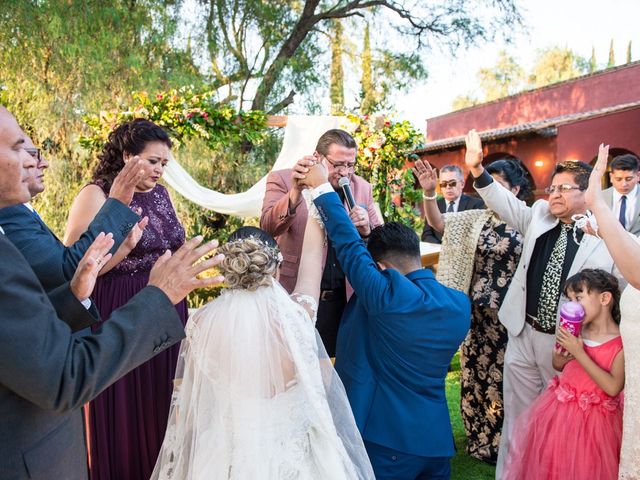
{"x":298,"y":174}
{"x":125,"y":182}
{"x":593,"y":194}
{"x":84,"y":278}
{"x":473,"y":155}
{"x":360,"y":218}
{"x":176,"y":275}
{"x":136,"y":234}
{"x":427,"y":176}
{"x":316,"y":175}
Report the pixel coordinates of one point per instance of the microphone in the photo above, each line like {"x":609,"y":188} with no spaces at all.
{"x":346,"y":188}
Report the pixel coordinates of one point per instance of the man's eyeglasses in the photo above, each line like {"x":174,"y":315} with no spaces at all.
{"x":450,"y":183}
{"x":562,"y":188}
{"x":347,"y":166}
{"x":35,"y":153}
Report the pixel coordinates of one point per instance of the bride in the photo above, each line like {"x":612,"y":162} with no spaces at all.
{"x":256,"y":395}
{"x":625,"y":250}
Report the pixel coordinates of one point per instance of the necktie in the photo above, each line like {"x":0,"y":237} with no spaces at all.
{"x":623,"y":211}
{"x":550,"y":291}
{"x":450,"y":207}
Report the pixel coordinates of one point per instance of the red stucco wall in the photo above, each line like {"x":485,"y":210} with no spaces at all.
{"x":612,"y":87}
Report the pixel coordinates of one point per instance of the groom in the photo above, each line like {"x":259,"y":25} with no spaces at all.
{"x":396,"y":339}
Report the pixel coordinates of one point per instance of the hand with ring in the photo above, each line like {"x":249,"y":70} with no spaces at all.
{"x":360,"y":218}
{"x":84,"y":279}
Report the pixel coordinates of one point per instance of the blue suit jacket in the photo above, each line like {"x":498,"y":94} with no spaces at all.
{"x":53,"y":263}
{"x":396,"y":339}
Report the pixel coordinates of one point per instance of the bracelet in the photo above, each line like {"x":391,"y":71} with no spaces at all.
{"x":429,"y":198}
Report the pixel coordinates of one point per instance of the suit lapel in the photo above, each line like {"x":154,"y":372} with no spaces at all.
{"x":588,"y":244}
{"x":636,"y":212}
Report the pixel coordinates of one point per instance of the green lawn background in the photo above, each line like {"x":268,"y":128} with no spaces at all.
{"x":463,"y":467}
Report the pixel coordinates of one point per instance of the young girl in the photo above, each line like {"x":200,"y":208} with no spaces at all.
{"x":574,"y":429}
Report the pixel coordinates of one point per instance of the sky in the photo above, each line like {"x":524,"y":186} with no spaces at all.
{"x":575,"y":24}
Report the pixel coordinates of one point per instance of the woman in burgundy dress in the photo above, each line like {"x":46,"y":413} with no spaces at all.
{"x":127,"y":421}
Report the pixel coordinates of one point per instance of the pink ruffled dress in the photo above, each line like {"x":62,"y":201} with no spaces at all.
{"x":573,"y":430}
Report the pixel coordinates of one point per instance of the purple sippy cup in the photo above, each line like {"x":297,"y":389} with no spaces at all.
{"x":571,"y":316}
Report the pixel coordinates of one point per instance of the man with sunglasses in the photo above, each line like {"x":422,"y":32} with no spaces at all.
{"x":453,"y":200}
{"x":284,"y":215}
{"x":552,"y":251}
{"x":53,"y":263}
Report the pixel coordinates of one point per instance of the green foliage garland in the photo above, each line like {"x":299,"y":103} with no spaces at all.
{"x":185,"y":114}
{"x":384,"y":150}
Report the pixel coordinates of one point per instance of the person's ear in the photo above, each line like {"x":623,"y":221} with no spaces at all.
{"x":515,"y":190}
{"x":606,"y":298}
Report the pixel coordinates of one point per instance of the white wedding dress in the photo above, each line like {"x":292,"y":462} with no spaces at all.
{"x":630,"y":332}
{"x":258,"y":396}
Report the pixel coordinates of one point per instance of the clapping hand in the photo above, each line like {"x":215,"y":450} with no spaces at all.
{"x":125,"y":182}
{"x":427,"y":176}
{"x":176,"y":274}
{"x":84,"y":278}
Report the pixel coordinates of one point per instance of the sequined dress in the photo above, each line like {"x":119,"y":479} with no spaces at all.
{"x":127,"y":421}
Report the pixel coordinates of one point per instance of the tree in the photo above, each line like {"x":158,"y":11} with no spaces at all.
{"x":555,"y":64}
{"x":593,"y":65}
{"x":612,"y":57}
{"x":275,"y":48}
{"x":336,"y":88}
{"x":505,"y":78}
{"x":368,"y":93}
{"x":464,"y":101}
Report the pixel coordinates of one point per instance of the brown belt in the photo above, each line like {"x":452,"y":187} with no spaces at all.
{"x":533,"y":321}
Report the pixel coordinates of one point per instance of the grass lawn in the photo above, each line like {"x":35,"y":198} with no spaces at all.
{"x":463,"y":467}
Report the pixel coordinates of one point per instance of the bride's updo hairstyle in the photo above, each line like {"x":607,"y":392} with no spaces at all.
{"x":251,"y":259}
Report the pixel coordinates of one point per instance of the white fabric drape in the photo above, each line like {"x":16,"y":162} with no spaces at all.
{"x":300,"y":138}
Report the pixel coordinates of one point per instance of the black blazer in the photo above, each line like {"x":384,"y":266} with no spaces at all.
{"x":53,"y":263}
{"x":47,"y":374}
{"x":467,"y":202}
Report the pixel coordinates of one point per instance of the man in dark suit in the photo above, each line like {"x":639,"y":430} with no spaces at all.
{"x":398,"y":334}
{"x":453,"y":200}
{"x":52,"y":262}
{"x":46,"y":374}
{"x":284,"y":216}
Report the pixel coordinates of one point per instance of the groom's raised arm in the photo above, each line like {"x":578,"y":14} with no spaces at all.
{"x":361,"y":270}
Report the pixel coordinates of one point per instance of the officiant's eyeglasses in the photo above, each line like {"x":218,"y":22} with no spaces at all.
{"x":347,"y":166}
{"x":450,"y":183}
{"x":35,"y":153}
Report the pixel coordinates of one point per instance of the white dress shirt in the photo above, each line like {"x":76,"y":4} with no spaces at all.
{"x":631,"y":206}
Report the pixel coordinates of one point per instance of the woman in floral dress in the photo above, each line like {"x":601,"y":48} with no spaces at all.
{"x":479,"y":256}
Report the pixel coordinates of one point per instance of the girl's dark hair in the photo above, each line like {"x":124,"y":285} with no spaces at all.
{"x":514,"y":174}
{"x":594,"y":279}
{"x":130,"y":137}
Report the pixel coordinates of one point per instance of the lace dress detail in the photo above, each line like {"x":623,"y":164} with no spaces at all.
{"x":630,"y":332}
{"x":308,"y":303}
